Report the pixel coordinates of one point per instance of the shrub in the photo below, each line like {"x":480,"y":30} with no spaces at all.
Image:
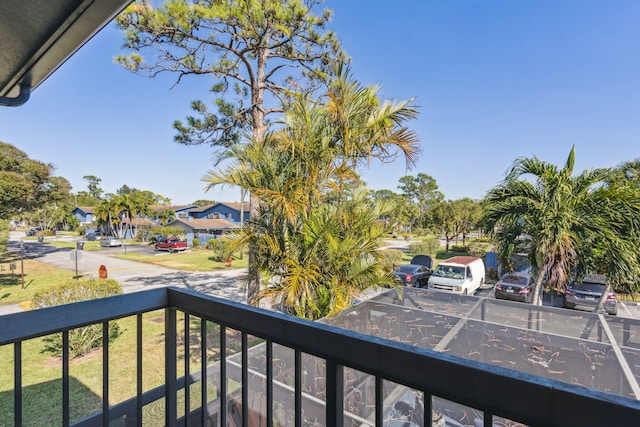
{"x":84,"y":339}
{"x":492,"y":273}
{"x":478,"y":249}
{"x":418,"y":248}
{"x":431,"y":246}
{"x":195,"y":243}
{"x":459,"y":248}
{"x":220,"y":248}
{"x":390,"y":259}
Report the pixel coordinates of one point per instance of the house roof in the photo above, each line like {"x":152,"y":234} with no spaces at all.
{"x":37,"y":36}
{"x":137,"y":221}
{"x":175,"y":208}
{"x":231,"y":205}
{"x":206,"y":224}
{"x":85,"y":209}
{"x":202,"y":208}
{"x":236,"y":205}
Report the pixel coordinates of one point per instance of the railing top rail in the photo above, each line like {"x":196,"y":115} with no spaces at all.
{"x":45,"y":321}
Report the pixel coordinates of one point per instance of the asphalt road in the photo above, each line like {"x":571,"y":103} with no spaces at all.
{"x":133,"y":276}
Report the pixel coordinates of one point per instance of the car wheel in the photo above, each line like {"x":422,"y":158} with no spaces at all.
{"x":170,"y":250}
{"x":466,"y":292}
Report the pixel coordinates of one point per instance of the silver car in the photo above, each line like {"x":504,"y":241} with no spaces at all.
{"x":110,"y":242}
{"x":584,"y":295}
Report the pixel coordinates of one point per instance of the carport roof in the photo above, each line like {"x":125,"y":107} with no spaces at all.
{"x":37,"y":36}
{"x":583,"y":348}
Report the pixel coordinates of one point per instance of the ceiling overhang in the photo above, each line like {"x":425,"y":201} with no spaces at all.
{"x":37,"y":36}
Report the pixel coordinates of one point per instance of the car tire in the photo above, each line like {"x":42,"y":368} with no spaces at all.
{"x":170,"y":250}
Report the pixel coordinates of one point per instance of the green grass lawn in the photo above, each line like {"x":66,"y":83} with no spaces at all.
{"x":190,"y":260}
{"x":42,"y":378}
{"x":37,"y":276}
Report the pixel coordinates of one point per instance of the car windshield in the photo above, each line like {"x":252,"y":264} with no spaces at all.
{"x":449,"y":272}
{"x":515,"y":280}
{"x":408,"y":268}
{"x":589,"y":287}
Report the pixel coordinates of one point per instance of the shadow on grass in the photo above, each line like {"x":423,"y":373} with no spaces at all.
{"x":42,"y":403}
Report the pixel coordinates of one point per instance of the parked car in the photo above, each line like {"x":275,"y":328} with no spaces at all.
{"x":31,"y":232}
{"x":110,"y":242}
{"x":584,"y":295}
{"x":416,"y":273}
{"x":171,"y":245}
{"x":516,"y":286}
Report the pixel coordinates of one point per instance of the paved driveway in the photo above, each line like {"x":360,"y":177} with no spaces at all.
{"x":133,"y":276}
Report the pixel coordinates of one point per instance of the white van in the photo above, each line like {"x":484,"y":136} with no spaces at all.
{"x":460,"y":274}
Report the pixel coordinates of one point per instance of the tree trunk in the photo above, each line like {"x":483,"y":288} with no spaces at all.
{"x":603,"y":298}
{"x":253,"y":281}
{"x":536,"y":298}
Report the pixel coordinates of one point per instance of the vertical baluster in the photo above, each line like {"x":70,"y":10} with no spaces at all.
{"x":269,"y":369}
{"x":379,"y":405}
{"x":17,"y":383}
{"x":65,"y":378}
{"x":488,"y":419}
{"x":187,"y":371}
{"x":245,"y":381}
{"x":105,"y":373}
{"x":335,"y":394}
{"x":139,"y":389}
{"x":428,"y":408}
{"x":223,"y":375}
{"x":171,"y":382}
{"x":298,"y":388}
{"x":203,"y":371}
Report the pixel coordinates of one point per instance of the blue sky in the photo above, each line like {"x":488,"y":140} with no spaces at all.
{"x":495,"y":80}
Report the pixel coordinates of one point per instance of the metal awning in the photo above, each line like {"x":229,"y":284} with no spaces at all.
{"x":37,"y":36}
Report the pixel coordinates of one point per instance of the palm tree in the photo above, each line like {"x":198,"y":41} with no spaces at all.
{"x":107,"y":213}
{"x":564,"y":216}
{"x":166,"y":216}
{"x":309,"y":162}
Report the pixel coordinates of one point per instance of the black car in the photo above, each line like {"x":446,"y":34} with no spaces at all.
{"x":417,"y":273}
{"x":515,"y":286}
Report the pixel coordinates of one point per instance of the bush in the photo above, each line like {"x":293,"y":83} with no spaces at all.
{"x":431,"y":246}
{"x":492,"y":274}
{"x":459,"y":248}
{"x":418,"y":248}
{"x":478,"y":249}
{"x":221,"y":249}
{"x":195,"y":243}
{"x":81,"y":340}
{"x":390,"y":259}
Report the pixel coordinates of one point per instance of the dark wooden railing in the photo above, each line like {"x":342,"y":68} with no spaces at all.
{"x":491,"y":391}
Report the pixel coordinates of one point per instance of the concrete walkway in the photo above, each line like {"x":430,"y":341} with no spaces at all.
{"x":133,"y":276}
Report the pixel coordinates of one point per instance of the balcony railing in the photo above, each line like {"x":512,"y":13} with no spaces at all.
{"x":288,"y":371}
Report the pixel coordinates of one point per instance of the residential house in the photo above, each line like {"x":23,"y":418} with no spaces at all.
{"x":182,"y":211}
{"x":84,"y":214}
{"x":132,"y":226}
{"x":204,"y":229}
{"x":228,"y":211}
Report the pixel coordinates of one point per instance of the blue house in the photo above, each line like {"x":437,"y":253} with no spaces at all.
{"x":229,"y":211}
{"x":182,"y":211}
{"x":84,"y":214}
